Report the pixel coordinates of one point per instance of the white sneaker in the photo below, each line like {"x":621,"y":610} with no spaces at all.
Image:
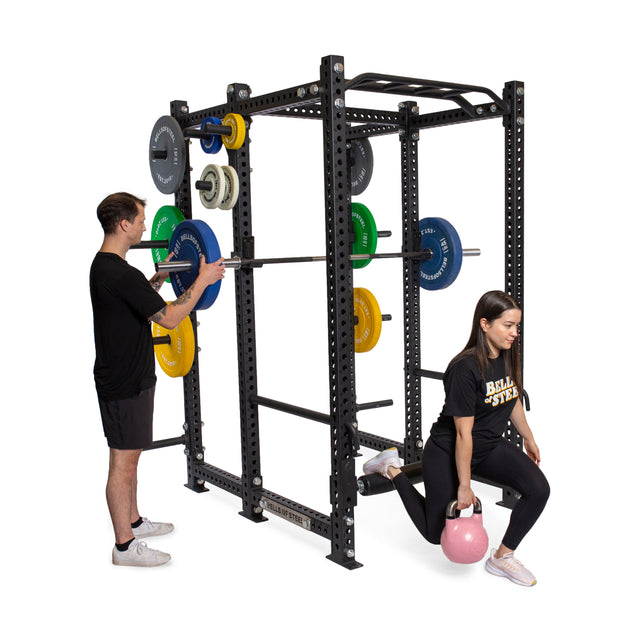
{"x":381,"y":463}
{"x":509,"y":567}
{"x":148,"y":529}
{"x":139,"y":555}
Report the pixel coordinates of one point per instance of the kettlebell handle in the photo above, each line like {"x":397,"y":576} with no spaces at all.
{"x":453,"y":505}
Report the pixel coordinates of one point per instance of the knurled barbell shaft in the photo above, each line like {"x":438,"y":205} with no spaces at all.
{"x":238,"y":263}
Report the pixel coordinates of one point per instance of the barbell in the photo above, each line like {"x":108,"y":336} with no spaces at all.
{"x":440,"y":257}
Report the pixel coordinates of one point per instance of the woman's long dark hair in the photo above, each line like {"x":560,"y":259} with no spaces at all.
{"x":491,"y":306}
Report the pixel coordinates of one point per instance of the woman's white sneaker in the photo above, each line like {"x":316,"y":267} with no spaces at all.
{"x":381,"y":463}
{"x":509,"y":567}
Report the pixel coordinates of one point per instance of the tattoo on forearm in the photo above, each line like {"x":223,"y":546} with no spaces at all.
{"x":157,"y":281}
{"x":156,"y":317}
{"x":184,"y":298}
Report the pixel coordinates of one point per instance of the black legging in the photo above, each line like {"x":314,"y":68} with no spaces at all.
{"x":506,"y":465}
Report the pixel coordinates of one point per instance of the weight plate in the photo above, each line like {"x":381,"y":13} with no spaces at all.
{"x":191,"y":240}
{"x":164,"y":222}
{"x":369,"y":320}
{"x":213,"y":143}
{"x":167,"y":154}
{"x":360,"y":164}
{"x":213,"y":197}
{"x":365,"y":233}
{"x":231,"y":189}
{"x":238,"y":130}
{"x":441,"y":237}
{"x":175,"y":359}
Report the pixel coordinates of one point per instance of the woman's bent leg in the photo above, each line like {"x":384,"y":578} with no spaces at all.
{"x":441,"y":483}
{"x":510,"y":466}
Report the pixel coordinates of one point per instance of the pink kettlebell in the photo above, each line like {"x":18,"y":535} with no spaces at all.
{"x":464,"y":540}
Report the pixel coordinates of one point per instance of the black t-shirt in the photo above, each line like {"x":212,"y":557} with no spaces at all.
{"x":489,"y":401}
{"x":122,"y":301}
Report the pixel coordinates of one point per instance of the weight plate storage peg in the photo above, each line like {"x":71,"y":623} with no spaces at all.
{"x":167,"y":155}
{"x":213,"y":143}
{"x":231,"y":188}
{"x":213,"y":196}
{"x":164,"y":222}
{"x":361,"y":164}
{"x":442,"y":239}
{"x":365,"y":233}
{"x":175,"y":358}
{"x":191,"y":240}
{"x":238,"y":129}
{"x":369,"y":320}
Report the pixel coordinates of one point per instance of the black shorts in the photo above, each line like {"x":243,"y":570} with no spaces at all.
{"x":128,"y":423}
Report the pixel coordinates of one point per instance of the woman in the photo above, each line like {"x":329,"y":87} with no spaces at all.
{"x":483,"y":390}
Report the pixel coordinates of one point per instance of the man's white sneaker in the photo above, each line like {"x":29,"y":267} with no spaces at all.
{"x":509,"y":567}
{"x":148,"y":529}
{"x":139,"y":555}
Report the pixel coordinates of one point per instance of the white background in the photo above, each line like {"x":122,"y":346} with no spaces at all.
{"x":83,"y":85}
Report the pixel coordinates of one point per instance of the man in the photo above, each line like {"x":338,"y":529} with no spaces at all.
{"x":124,"y":303}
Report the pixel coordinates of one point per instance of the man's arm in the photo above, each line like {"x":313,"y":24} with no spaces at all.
{"x":173,"y":314}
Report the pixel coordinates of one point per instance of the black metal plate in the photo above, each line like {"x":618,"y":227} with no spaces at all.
{"x":361,"y":164}
{"x":167,"y":154}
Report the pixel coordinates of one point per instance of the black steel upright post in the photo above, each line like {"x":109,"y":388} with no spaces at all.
{"x":514,"y":196}
{"x":514,"y":191}
{"x":343,"y":488}
{"x":194,"y":449}
{"x":411,"y":285}
{"x":514,"y":223}
{"x":246,"y":322}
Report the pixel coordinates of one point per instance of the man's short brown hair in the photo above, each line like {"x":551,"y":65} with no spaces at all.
{"x":117,"y":207}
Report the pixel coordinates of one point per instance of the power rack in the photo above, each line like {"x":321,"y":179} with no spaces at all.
{"x":325,"y":99}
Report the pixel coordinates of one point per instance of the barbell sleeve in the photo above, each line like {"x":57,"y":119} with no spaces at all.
{"x":174,"y":266}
